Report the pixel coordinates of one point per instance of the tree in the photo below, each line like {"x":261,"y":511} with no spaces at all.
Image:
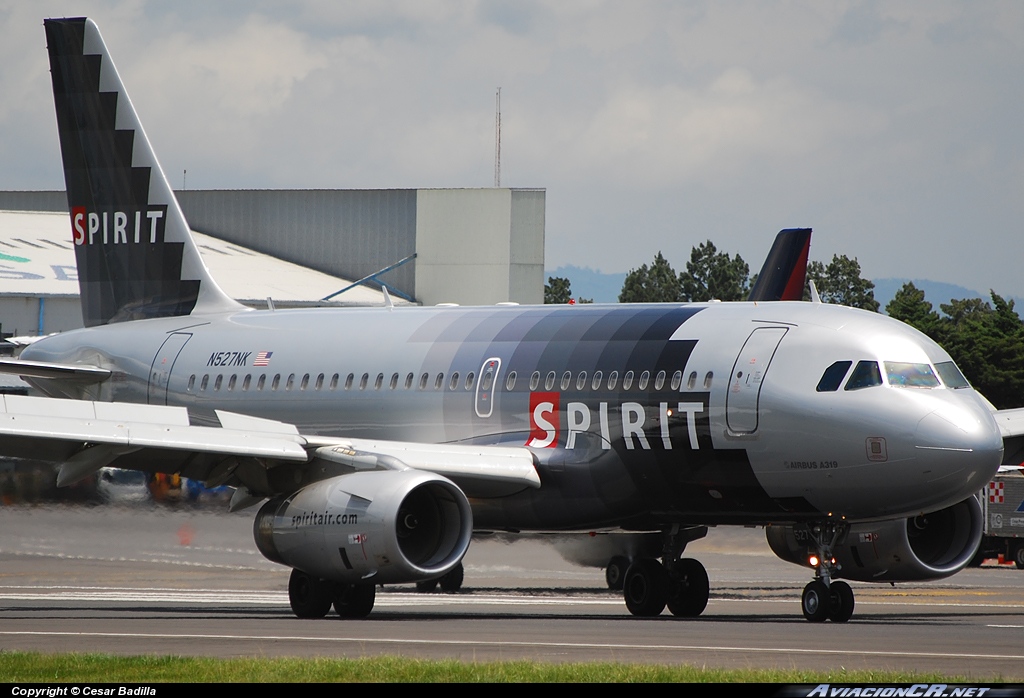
{"x":711,"y":274}
{"x":841,"y":283}
{"x":655,"y":284}
{"x":909,"y":306}
{"x":557,"y":290}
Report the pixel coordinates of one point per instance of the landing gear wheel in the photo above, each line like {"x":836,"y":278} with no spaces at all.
{"x":816,"y":601}
{"x":689,"y":588}
{"x":1018,"y":557}
{"x":840,"y":602}
{"x":979,"y":557}
{"x":452,"y":582}
{"x":427,"y":586}
{"x":645,"y":588}
{"x":354,"y":600}
{"x":309,"y":596}
{"x":615,"y":572}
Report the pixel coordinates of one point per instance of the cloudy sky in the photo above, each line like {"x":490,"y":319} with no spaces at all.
{"x":891,"y":128}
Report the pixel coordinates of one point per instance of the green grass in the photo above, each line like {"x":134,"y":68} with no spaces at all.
{"x":84,"y":668}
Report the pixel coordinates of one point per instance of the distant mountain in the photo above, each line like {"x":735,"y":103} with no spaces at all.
{"x":935,"y":292}
{"x":589,"y":283}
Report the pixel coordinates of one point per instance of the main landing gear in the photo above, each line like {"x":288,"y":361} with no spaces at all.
{"x":680,"y":583}
{"x":312,"y":597}
{"x":450,"y":582}
{"x":825,"y":598}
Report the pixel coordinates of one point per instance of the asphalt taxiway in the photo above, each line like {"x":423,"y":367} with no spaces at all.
{"x":181,"y":581}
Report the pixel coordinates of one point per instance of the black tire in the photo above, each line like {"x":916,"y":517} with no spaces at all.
{"x":615,"y":572}
{"x":689,"y":589}
{"x":645,"y":587}
{"x":452,"y":582}
{"x":309,"y":596}
{"x":816,"y":601}
{"x":840,"y":602}
{"x":354,"y":600}
{"x":427,"y":586}
{"x":979,"y":557}
{"x":1018,"y":557}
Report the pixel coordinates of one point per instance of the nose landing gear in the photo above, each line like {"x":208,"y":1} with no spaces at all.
{"x":825,"y":598}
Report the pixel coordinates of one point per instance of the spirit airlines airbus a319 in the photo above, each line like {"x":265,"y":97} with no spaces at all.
{"x":380,"y":438}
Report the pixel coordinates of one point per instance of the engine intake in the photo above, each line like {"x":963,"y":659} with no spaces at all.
{"x":929,"y":546}
{"x":385,"y":526}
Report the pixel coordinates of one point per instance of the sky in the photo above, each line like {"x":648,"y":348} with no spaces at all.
{"x":891,"y":128}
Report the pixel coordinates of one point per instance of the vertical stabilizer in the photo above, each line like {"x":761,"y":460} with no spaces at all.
{"x":136,"y":258}
{"x":784,"y":274}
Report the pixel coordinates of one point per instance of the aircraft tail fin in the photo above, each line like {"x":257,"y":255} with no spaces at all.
{"x":784,"y":274}
{"x":135,"y":254}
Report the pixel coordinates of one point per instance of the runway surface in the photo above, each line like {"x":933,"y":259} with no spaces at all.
{"x":154,"y":580}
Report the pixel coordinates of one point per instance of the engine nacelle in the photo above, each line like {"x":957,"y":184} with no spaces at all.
{"x":388,"y":527}
{"x":930,"y":546}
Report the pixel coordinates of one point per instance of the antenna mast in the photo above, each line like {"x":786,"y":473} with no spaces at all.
{"x":497,"y":138}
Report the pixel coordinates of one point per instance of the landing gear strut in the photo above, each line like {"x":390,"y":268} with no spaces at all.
{"x":680,"y":583}
{"x":825,"y":598}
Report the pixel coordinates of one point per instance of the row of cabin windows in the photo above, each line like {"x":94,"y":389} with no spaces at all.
{"x":425,"y":383}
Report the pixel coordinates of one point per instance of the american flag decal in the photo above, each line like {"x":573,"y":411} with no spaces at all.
{"x":263,"y":358}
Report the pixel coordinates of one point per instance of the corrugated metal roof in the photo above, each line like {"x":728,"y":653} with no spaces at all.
{"x":37,"y":259}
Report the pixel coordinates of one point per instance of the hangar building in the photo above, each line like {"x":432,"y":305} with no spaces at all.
{"x":465,"y":246}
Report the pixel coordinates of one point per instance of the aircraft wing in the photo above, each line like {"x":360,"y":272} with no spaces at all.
{"x":84,"y":436}
{"x":1011,"y":424}
{"x":76,"y":373}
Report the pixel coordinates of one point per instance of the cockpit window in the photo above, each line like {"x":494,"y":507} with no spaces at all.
{"x":833,"y":376}
{"x":951,"y":375}
{"x":904,"y":375}
{"x":865,"y":375}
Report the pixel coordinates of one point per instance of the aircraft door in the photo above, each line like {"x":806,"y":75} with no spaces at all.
{"x":741,"y":401}
{"x":485,"y":387}
{"x":163,"y":363}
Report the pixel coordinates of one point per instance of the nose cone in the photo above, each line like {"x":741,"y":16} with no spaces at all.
{"x":959,"y":445}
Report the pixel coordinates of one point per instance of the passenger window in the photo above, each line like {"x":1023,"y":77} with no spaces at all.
{"x":596,"y":383}
{"x":833,"y":377}
{"x":951,"y":375}
{"x":246,"y":381}
{"x":394,"y":381}
{"x":453,"y":383}
{"x":549,"y":382}
{"x":470,"y":380}
{"x":217,"y":382}
{"x":677,"y":380}
{"x":423,"y":381}
{"x":865,"y":375}
{"x":231,"y":381}
{"x":708,"y":377}
{"x":276,"y":382}
{"x":691,"y":381}
{"x":566,"y":380}
{"x":645,"y":378}
{"x":408,"y":381}
{"x":627,"y":380}
{"x":906,"y":375}
{"x":348,"y":381}
{"x":261,"y":382}
{"x":379,"y":382}
{"x":191,"y":382}
{"x":659,"y":380}
{"x":204,"y":382}
{"x":581,"y":382}
{"x":439,"y":383}
{"x":334,"y":381}
{"x":613,"y":379}
{"x":510,"y":382}
{"x":534,"y":380}
{"x":305,"y":382}
{"x":291,"y":382}
{"x":319,"y":382}
{"x":363,"y":381}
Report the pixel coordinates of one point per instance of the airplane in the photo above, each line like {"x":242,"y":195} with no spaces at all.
{"x":378,"y":439}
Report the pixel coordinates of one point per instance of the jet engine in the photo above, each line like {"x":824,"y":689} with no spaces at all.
{"x":382,"y":527}
{"x":928,"y":546}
